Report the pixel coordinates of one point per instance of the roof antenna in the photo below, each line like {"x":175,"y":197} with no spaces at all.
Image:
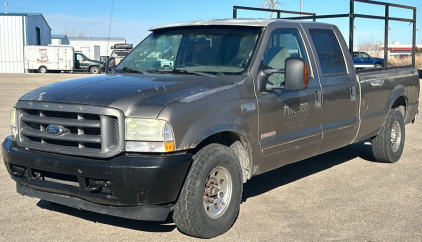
{"x":5,"y":4}
{"x":109,"y":27}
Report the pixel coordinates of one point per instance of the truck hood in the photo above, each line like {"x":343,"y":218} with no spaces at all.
{"x":138,"y":95}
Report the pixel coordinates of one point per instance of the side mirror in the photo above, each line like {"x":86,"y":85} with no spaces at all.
{"x":296,"y":76}
{"x":110,"y":64}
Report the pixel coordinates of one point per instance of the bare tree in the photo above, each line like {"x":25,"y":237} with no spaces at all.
{"x":271,"y":4}
{"x":372,"y":47}
{"x":71,"y":33}
{"x":81,"y":34}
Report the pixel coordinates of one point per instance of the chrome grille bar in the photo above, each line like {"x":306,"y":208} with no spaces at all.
{"x":84,"y":130}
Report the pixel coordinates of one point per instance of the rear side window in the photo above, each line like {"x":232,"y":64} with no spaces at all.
{"x":329,"y":52}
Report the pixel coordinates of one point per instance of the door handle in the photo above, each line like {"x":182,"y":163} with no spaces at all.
{"x":318,"y":99}
{"x":352,"y":93}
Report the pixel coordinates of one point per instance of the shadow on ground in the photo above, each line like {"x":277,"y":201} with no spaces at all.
{"x":295,"y":171}
{"x":148,"y":226}
{"x":256,"y":186}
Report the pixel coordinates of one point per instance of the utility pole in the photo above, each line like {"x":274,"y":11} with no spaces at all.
{"x":301,"y":7}
{"x":5,"y":4}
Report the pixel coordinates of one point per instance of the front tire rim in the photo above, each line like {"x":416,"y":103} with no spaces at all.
{"x":395,"y":136}
{"x":217,"y":192}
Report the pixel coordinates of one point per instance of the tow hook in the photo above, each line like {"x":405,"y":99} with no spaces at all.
{"x":96,"y":186}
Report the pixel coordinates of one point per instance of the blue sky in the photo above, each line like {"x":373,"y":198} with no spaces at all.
{"x":132,"y":19}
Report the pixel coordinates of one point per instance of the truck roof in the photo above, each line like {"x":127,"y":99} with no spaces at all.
{"x":229,"y":22}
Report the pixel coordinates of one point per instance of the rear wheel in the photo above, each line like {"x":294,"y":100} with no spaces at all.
{"x":42,"y":69}
{"x":95,"y":70}
{"x":388,"y":145}
{"x":209,"y":202}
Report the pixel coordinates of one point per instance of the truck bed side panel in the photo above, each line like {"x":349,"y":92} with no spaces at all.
{"x":380,"y":88}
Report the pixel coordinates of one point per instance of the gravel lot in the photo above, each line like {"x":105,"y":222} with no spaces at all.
{"x":338,"y":196}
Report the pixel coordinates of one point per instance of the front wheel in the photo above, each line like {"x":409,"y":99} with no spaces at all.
{"x":95,"y":70}
{"x":209,"y":202}
{"x":388,"y":145}
{"x":378,"y":65}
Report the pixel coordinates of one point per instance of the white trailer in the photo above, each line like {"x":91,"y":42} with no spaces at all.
{"x":49,"y":58}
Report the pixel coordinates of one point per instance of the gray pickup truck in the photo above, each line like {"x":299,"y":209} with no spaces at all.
{"x":234,"y":98}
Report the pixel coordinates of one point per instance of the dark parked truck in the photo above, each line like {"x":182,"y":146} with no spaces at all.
{"x":197,"y":109}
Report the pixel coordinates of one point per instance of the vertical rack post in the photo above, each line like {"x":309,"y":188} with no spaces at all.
{"x":386,"y":29}
{"x":414,"y":39}
{"x":234,"y":12}
{"x":351,"y":25}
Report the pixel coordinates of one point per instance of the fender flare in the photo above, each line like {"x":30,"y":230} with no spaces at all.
{"x":219,"y":129}
{"x":397,"y":92}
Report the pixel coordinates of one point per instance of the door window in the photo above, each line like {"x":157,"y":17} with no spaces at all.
{"x":283,"y":43}
{"x":329,"y":52}
{"x":366,"y":56}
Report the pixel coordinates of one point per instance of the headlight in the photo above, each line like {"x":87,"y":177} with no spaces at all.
{"x":13,"y":121}
{"x":148,"y":135}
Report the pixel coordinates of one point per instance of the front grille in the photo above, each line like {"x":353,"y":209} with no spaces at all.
{"x":70,"y":129}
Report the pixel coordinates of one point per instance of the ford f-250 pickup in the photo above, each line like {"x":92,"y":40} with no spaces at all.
{"x":240,"y":98}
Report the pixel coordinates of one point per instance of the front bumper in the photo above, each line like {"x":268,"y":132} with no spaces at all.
{"x":132,"y":186}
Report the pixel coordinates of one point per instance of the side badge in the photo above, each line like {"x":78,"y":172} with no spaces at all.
{"x":248,"y":107}
{"x":267,"y":135}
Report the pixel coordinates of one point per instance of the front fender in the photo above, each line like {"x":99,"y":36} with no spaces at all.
{"x":211,"y":124}
{"x":218,"y":129}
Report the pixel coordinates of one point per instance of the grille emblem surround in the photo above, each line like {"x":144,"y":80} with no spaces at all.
{"x":56,"y":130}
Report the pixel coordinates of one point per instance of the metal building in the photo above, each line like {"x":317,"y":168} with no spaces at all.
{"x":95,"y":47}
{"x":16,"y":31}
{"x":59,"y":39}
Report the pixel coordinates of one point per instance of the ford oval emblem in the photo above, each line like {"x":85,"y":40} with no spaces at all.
{"x":57,"y":130}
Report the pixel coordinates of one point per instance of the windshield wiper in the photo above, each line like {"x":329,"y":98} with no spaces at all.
{"x":128,"y":69}
{"x":178,"y":70}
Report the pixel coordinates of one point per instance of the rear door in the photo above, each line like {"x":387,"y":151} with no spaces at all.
{"x":340,"y":89}
{"x":289,"y":121}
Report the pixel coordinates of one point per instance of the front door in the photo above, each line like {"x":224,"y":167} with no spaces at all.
{"x":289,"y":121}
{"x":80,"y":62}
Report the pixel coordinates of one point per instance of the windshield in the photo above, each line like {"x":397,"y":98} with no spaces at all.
{"x":216,"y":50}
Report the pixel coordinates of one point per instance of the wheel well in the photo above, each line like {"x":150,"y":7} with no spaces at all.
{"x":236,"y":142}
{"x":401,"y":101}
{"x":378,"y":63}
{"x":92,"y":67}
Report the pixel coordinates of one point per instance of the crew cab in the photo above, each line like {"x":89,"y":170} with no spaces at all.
{"x":239,"y":97}
{"x":363,"y":60}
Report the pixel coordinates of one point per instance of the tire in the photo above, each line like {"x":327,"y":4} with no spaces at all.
{"x":378,"y":65}
{"x":42,"y":69}
{"x":388,"y":145}
{"x":94,"y":70}
{"x":196,"y":213}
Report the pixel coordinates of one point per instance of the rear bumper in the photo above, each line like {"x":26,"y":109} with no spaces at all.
{"x":119,"y":186}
